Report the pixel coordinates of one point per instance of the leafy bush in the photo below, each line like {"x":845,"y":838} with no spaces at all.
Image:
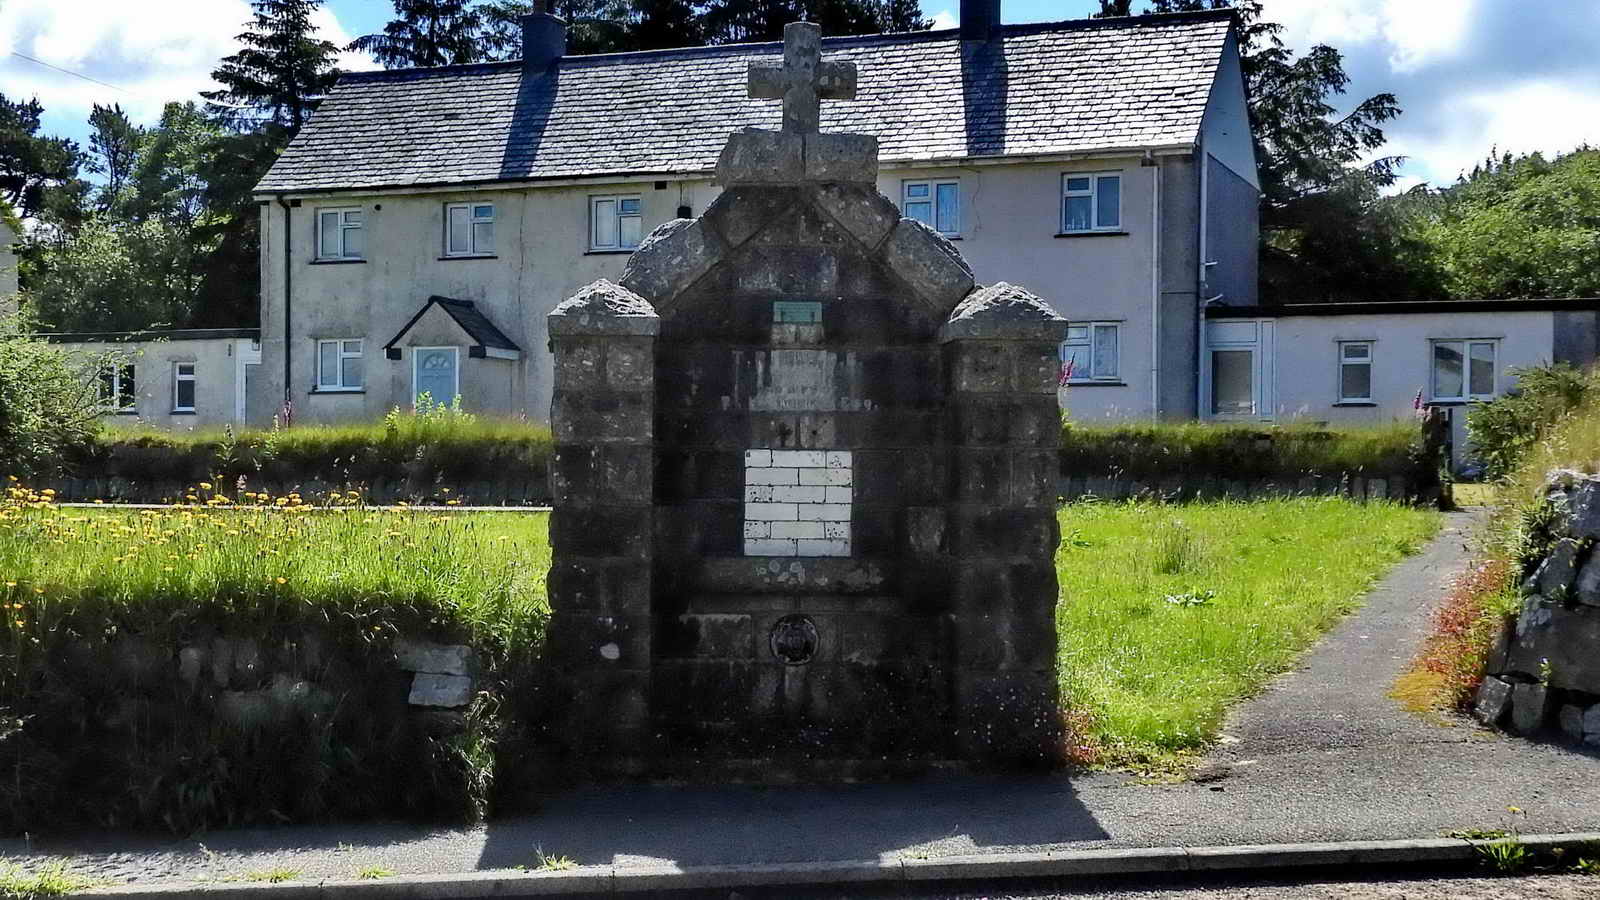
{"x":1240,"y":452}
{"x":1502,"y":430}
{"x":48,"y":407}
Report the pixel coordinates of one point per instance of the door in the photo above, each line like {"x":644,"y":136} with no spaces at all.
{"x":436,"y":372}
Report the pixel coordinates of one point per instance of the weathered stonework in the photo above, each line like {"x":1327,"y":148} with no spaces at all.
{"x":819,"y":539}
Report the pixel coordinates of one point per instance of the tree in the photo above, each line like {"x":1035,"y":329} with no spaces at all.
{"x":593,"y":26}
{"x":30,"y":164}
{"x":1519,"y":227}
{"x":426,"y":33}
{"x":280,"y":73}
{"x":114,"y":276}
{"x":734,"y":21}
{"x":113,"y":144}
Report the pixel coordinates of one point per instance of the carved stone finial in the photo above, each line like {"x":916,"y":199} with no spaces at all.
{"x":804,"y":79}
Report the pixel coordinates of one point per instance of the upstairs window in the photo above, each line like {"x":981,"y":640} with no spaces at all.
{"x":469,"y":229}
{"x":615,"y":222}
{"x":183,"y":386}
{"x":340,"y":234}
{"x":936,"y":204}
{"x":1090,"y":352}
{"x":116,"y":391}
{"x":1091,"y":202}
{"x":1464,"y":370}
{"x":1355,"y":371}
{"x":339,"y":366}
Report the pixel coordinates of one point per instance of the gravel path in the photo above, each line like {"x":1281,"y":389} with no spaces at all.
{"x":1321,"y":755}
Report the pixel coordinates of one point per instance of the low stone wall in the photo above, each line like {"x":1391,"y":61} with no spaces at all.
{"x":1543,"y":672}
{"x":1176,"y":489}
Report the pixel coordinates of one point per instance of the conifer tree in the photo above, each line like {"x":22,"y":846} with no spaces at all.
{"x":427,"y":33}
{"x":280,"y":73}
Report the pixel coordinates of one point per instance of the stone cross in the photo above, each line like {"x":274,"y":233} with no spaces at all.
{"x":804,"y":80}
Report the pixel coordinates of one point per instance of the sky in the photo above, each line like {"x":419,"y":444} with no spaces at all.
{"x":1471,"y":75}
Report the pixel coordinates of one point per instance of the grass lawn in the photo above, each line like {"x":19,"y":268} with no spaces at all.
{"x":1169,"y":614}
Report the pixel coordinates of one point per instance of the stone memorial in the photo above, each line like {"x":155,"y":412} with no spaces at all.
{"x":804,"y":481}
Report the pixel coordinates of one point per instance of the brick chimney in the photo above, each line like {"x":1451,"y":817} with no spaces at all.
{"x":544,"y":38}
{"x":980,"y":19}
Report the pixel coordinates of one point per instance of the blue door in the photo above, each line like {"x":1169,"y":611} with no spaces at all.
{"x":436,"y":374}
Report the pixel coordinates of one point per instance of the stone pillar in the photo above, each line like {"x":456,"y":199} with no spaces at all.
{"x":1000,"y":359}
{"x":602,"y":481}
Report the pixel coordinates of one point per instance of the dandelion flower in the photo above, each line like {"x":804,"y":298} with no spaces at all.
{"x":282,"y":580}
{"x":205,"y":485}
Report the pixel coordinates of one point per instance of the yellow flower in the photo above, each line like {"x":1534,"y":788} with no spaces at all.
{"x":19,"y":622}
{"x":11,"y":584}
{"x":283,"y":580}
{"x":205,"y":485}
{"x":38,"y":590}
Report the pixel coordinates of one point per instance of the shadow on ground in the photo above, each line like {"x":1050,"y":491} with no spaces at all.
{"x":711,"y":825}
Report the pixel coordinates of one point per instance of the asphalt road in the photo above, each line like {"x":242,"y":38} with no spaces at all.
{"x":1322,"y":755}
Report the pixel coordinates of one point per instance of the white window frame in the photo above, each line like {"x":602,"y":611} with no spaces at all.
{"x":473,"y":221}
{"x":124,"y":377}
{"x":1466,"y":344}
{"x":416,"y":357}
{"x":613,"y":240}
{"x":340,"y":354}
{"x":178,"y":378}
{"x":1088,"y":343}
{"x":933,"y":185}
{"x":345,"y":227}
{"x":1093,"y":193}
{"x":1342,"y":361}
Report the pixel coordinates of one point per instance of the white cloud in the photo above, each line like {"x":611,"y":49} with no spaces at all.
{"x":944,"y":18}
{"x":1543,"y":116}
{"x":154,"y":52}
{"x":1414,"y":32}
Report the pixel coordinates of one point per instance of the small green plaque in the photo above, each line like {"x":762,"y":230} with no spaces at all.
{"x":796,"y":312}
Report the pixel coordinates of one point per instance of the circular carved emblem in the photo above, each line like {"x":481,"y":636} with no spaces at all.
{"x":794,"y":639}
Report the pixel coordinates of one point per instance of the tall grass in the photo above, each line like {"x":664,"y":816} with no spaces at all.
{"x":101,"y":724}
{"x":1163,"y":624}
{"x":1197,"y":450}
{"x":480,"y":578}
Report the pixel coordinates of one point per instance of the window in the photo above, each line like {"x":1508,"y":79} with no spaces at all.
{"x":339,"y":234}
{"x":468,"y":229}
{"x":339,"y":365}
{"x":1463,"y":370}
{"x":1355,"y":371}
{"x":183,"y":384}
{"x":116,"y":388}
{"x":616,"y":223}
{"x":435,"y":371}
{"x":1090,"y":352}
{"x":936,"y":204}
{"x":1233,"y":390}
{"x":1091,"y":203}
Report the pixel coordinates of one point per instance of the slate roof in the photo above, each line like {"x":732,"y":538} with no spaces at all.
{"x":1068,"y":87}
{"x":477,"y":325}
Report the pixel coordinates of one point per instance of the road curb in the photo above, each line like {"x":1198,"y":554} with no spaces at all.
{"x":628,"y":880}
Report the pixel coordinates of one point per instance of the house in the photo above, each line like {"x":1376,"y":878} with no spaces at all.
{"x":1349,"y":363}
{"x":416,"y":233}
{"x":179,"y":379}
{"x":8,"y":271}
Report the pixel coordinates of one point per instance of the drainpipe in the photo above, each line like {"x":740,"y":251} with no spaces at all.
{"x":1200,"y":410}
{"x":288,"y":294}
{"x":1155,"y":287}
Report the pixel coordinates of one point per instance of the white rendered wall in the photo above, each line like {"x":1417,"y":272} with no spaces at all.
{"x":217,"y":373}
{"x":1010,"y":219}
